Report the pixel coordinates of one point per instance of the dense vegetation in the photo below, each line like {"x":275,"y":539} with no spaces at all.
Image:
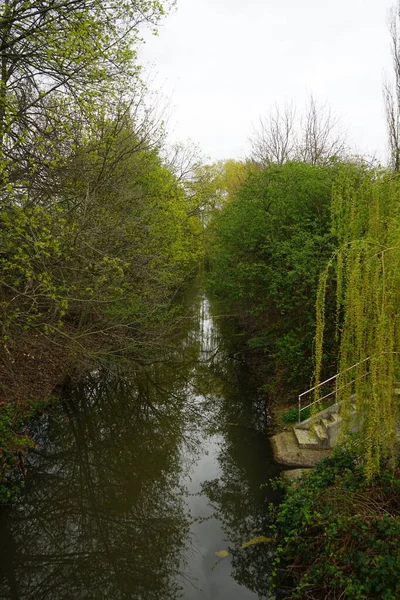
{"x":365,"y":209}
{"x":338,"y":534}
{"x":297,"y":235}
{"x":306,"y":250}
{"x":268,"y":248}
{"x":96,"y":233}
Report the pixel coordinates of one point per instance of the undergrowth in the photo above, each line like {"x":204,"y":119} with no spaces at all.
{"x":15,"y":442}
{"x":338,"y":534}
{"x":292,"y":415}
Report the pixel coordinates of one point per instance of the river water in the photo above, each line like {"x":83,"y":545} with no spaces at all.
{"x":141,"y":476}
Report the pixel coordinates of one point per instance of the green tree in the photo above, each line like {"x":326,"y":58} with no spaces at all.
{"x":365,"y":208}
{"x":270,"y":243}
{"x":78,"y":47}
{"x":111,"y":251}
{"x":94,"y":230}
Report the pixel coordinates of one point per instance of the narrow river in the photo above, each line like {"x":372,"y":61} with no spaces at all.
{"x":140,"y":477}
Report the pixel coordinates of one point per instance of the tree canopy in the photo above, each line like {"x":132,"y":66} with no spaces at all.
{"x":96,"y":233}
{"x":270,"y":243}
{"x":366,"y":266}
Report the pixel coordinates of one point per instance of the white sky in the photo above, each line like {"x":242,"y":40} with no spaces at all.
{"x":225,"y":63}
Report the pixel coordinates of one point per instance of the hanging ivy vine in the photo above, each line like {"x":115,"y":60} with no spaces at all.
{"x":366,"y":221}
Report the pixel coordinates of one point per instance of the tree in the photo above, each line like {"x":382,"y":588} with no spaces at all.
{"x":313,"y":139}
{"x":269,"y":244}
{"x":183,"y":159}
{"x":58,"y":53}
{"x":276,"y":140}
{"x":94,"y":230}
{"x":391,"y":91}
{"x":110,"y":251}
{"x":366,"y":270}
{"x":319,"y":140}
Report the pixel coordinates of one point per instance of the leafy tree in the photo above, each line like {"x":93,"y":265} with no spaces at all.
{"x":95,"y":232}
{"x":212,"y":185}
{"x":270,"y":243}
{"x":77,"y":47}
{"x":367,"y":269}
{"x":113,"y":249}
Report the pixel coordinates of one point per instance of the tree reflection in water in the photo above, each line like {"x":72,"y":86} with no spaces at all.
{"x":103,"y":515}
{"x":239,"y":495}
{"x":105,"y":511}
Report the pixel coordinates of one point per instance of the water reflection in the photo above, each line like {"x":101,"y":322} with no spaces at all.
{"x":103,"y":514}
{"x":140,"y":477}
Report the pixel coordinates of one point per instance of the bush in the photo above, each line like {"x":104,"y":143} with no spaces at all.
{"x":292,"y":415}
{"x":268,"y":246}
{"x":338,"y":534}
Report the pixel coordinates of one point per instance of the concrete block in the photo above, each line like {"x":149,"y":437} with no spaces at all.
{"x":306,"y":438}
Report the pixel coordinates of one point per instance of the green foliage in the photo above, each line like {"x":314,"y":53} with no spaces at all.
{"x":96,"y":234}
{"x":338,"y":533}
{"x":106,"y":258}
{"x":32,"y":249}
{"x":292,"y":415}
{"x":13,"y":446}
{"x":365,"y":217}
{"x":269,"y":245}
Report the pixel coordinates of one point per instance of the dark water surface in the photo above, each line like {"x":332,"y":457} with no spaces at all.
{"x":140,"y":477}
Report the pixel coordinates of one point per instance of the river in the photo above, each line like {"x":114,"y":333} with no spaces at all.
{"x":139,"y":478}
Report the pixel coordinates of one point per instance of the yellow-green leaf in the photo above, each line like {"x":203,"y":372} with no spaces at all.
{"x":222,"y":553}
{"x":261,"y":539}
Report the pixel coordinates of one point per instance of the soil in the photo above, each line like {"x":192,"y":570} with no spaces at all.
{"x":32,"y":367}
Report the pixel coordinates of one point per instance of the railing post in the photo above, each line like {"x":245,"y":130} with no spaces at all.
{"x":336,"y":389}
{"x":299,"y":408}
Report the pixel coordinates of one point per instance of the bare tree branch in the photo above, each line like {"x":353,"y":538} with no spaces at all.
{"x":314,"y":139}
{"x":319,"y":140}
{"x":275,"y":141}
{"x":391,"y":91}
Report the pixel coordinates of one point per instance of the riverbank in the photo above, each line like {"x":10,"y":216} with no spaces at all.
{"x":32,"y":370}
{"x":287,"y":451}
{"x":337,"y":534}
{"x":156,"y":468}
{"x":35,"y":365}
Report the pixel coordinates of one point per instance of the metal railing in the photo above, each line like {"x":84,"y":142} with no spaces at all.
{"x":334,"y":384}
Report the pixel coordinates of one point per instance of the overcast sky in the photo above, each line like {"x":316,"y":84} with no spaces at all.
{"x":225,"y":63}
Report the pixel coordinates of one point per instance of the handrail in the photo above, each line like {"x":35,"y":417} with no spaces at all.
{"x":335,"y":391}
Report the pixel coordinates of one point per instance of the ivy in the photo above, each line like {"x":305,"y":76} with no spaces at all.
{"x":338,"y":533}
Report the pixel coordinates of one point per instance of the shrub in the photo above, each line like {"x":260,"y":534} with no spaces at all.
{"x":338,"y":534}
{"x":292,"y":415}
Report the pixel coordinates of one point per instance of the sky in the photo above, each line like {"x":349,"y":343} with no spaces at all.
{"x":224,"y":64}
